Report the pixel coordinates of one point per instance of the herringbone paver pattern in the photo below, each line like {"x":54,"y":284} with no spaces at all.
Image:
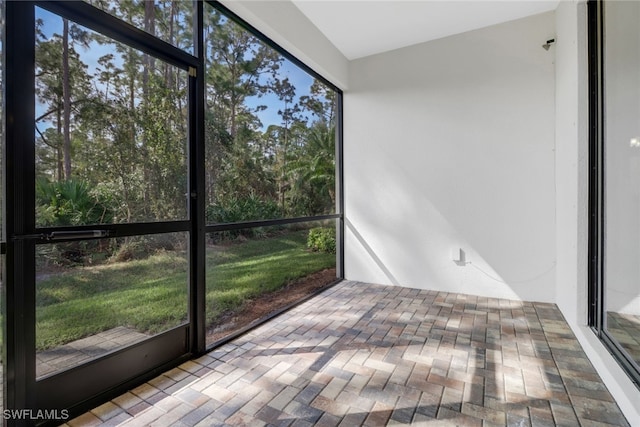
{"x":372,"y":355}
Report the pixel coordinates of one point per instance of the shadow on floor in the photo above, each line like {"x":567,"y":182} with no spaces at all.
{"x":361,"y":354}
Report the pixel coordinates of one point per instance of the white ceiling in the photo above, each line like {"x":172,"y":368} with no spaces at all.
{"x":365,"y":27}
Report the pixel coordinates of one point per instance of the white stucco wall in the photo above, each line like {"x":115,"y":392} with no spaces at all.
{"x":572,"y":183}
{"x":450,"y":144}
{"x":572,"y":150}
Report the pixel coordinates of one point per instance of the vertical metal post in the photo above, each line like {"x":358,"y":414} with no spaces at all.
{"x":197,"y":177}
{"x":339,"y":156}
{"x":596,"y":172}
{"x":19,"y":286}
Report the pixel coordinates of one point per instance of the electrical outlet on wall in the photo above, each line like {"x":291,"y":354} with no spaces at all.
{"x":459,"y":257}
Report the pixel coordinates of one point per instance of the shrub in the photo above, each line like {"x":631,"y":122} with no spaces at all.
{"x":242,"y":209}
{"x":322,"y":240}
{"x":71,"y":202}
{"x":247,"y":208}
{"x":142,"y":247}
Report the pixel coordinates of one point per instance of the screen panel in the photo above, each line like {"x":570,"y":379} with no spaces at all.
{"x":170,"y":21}
{"x":97,"y":296}
{"x":111,"y":130}
{"x":270,"y":130}
{"x":253,"y":272}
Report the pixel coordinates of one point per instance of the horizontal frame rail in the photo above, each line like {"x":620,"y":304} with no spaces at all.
{"x":111,"y":26}
{"x":268,"y":222}
{"x":117,"y":230}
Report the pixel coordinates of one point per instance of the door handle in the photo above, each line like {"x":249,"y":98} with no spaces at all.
{"x":64,"y":235}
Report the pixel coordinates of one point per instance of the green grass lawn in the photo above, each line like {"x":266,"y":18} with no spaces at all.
{"x":150,"y":295}
{"x":238,"y":273}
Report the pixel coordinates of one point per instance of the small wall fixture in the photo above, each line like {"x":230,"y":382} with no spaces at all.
{"x":459,"y":257}
{"x":548,"y":44}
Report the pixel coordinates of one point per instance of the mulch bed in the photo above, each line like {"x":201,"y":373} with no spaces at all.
{"x":253,"y":310}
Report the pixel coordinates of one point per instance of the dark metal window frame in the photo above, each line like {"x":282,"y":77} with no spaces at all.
{"x":597,"y":195}
{"x":18,"y":300}
{"x":21,"y":388}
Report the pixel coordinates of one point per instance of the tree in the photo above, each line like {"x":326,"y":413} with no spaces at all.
{"x":66,"y":99}
{"x":239,"y":67}
{"x":313,"y":171}
{"x":321,"y":101}
{"x":290,"y":114}
{"x":55,"y":57}
{"x":118,"y":124}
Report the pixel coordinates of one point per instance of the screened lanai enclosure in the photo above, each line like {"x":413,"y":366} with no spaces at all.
{"x":171,"y":177}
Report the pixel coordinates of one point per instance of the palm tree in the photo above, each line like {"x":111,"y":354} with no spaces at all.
{"x":314,"y":171}
{"x":70,"y":202}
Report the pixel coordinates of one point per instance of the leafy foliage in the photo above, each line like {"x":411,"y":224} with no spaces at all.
{"x":313,"y":172}
{"x":120,"y":123}
{"x":70,"y":203}
{"x":322,"y":239}
{"x":238,"y":210}
{"x":113,"y":128}
{"x":243,"y":209}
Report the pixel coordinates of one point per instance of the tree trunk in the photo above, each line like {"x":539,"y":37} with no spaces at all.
{"x":59,"y":155}
{"x":283,"y":175}
{"x":148,"y":68}
{"x":149,"y":27}
{"x":172,"y":16}
{"x":66,"y":99}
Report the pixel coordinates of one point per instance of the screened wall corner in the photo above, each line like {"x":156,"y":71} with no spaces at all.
{"x":179,"y":182}
{"x":272,"y":176}
{"x":614,"y":293}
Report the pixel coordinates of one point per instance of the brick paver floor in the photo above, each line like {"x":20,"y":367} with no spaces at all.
{"x":361,"y":354}
{"x":85,"y":349}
